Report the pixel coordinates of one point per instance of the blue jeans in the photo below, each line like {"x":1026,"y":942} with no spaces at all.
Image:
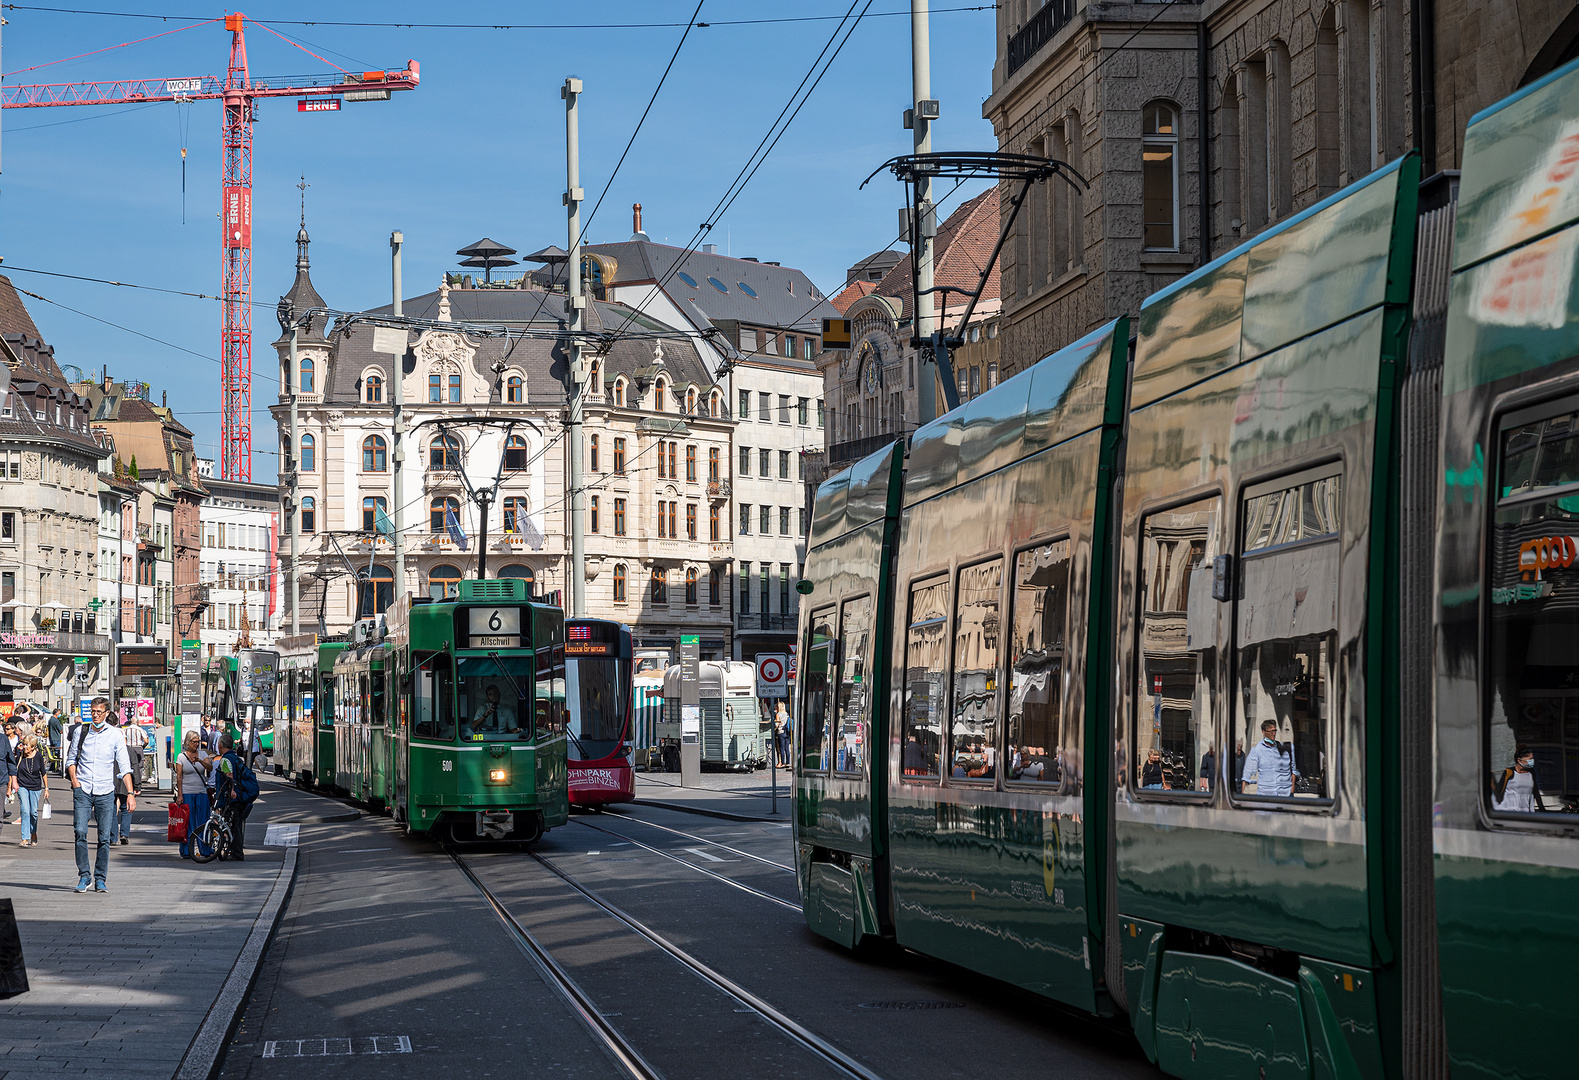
{"x":102,"y":807}
{"x":121,"y":827}
{"x":30,"y":802}
{"x":197,"y":815}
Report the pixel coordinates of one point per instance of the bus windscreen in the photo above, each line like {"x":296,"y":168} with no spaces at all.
{"x":599,"y":696}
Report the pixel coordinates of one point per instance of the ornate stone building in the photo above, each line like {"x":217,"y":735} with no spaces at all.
{"x":657,"y":442}
{"x":1301,"y":97}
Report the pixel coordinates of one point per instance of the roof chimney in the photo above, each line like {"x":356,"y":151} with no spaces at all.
{"x":636,"y":233}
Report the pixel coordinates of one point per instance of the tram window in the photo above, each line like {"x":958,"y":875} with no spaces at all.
{"x":376,"y":716}
{"x":491,"y":705}
{"x":977,"y":631}
{"x":1177,"y":663}
{"x":1287,"y":623}
{"x":814,"y":712}
{"x":855,"y":685}
{"x":1041,"y":747}
{"x":1532,"y":709}
{"x":926,"y":662}
{"x":435,"y":708}
{"x":550,"y":692}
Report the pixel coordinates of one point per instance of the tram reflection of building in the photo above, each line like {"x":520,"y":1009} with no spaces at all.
{"x":1177,"y":642}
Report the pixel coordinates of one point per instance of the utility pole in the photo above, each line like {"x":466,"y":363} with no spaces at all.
{"x":397,"y":402}
{"x":575,"y":305}
{"x":923,"y":111}
{"x":295,"y":480}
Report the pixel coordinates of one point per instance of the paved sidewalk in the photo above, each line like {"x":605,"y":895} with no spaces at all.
{"x":737,"y":796}
{"x":122,"y":982}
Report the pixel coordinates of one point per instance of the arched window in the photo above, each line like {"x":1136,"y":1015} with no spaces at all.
{"x":1233,"y":210}
{"x":595,"y":378}
{"x":660,"y":586}
{"x":1328,"y":120}
{"x":444,"y":582}
{"x":690,"y":586}
{"x":375,"y":593}
{"x":690,"y":402}
{"x":309,"y":515}
{"x":515,"y":514}
{"x":306,"y":384}
{"x":619,"y":583}
{"x":619,"y":393}
{"x":309,"y":454}
{"x":373,"y":389}
{"x":1253,"y":138}
{"x":375,"y":454}
{"x":514,"y":390}
{"x":515,"y":453}
{"x":372,"y":507}
{"x":444,"y":453}
{"x":713,"y":587}
{"x":660,"y":401}
{"x":1159,"y":153}
{"x":519,"y":571}
{"x":439,"y":510}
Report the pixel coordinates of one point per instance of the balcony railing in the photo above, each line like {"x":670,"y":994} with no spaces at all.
{"x":1042,"y":28}
{"x":841,"y":454}
{"x":718,"y":489}
{"x":767,"y":620}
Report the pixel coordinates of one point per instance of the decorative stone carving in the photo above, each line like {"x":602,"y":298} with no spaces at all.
{"x":30,"y":466}
{"x":334,"y":419}
{"x":444,"y":346}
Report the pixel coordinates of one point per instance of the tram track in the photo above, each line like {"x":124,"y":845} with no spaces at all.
{"x":691,"y":836}
{"x":725,"y":878}
{"x":586,"y":1009}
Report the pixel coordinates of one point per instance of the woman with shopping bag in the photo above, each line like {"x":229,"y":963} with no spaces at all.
{"x":191,"y":790}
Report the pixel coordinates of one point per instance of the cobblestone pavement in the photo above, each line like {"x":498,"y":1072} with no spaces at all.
{"x":121,"y":981}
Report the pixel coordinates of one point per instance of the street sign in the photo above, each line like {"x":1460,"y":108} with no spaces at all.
{"x":772,"y":675}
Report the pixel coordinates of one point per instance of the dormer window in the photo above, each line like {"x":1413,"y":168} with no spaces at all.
{"x":373,"y":389}
{"x":444,"y":385}
{"x":690,"y":401}
{"x":514,"y":390}
{"x":660,"y":400}
{"x":619,"y":393}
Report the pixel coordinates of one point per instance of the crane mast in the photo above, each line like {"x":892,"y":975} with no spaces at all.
{"x":239,"y":95}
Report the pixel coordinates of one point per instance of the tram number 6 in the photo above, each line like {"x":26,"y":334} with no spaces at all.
{"x":494,"y":622}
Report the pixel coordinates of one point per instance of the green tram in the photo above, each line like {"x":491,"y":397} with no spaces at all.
{"x":451,"y":715}
{"x":304,"y":729}
{"x":228,"y":697}
{"x":1182,"y":676}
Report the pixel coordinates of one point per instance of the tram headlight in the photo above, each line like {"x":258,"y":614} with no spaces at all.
{"x":498,"y":776}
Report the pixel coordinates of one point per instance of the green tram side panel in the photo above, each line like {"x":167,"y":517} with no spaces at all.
{"x":1221,"y":399}
{"x":1505,"y":894}
{"x":850,"y":548}
{"x":997,"y":880}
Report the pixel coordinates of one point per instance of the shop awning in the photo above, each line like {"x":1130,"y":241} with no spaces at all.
{"x":11,"y":674}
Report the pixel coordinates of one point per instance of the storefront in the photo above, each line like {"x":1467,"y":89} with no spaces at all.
{"x":63,"y":666}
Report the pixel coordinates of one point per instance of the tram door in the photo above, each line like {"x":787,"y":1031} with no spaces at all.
{"x":400,"y":688}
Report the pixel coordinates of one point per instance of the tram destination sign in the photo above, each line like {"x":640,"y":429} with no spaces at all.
{"x":494,"y":627}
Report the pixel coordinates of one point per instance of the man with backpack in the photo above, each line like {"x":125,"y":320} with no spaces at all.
{"x":1270,"y":765}
{"x":235,"y":789}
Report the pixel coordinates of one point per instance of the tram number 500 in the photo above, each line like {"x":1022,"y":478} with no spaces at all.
{"x":446,"y":766}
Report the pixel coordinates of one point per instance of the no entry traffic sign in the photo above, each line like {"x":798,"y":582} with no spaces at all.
{"x":772,"y":675}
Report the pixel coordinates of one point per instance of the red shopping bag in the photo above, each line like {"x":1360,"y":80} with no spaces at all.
{"x":180,"y":814}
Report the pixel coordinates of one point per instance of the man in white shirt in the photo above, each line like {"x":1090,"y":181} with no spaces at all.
{"x":1270,"y":765}
{"x":94,"y":760}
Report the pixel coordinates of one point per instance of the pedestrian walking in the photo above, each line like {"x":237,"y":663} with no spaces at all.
{"x":32,"y":787}
{"x":57,"y":731}
{"x":94,"y":761}
{"x":7,"y":770}
{"x":191,"y":787}
{"x":126,"y":792}
{"x":236,"y":789}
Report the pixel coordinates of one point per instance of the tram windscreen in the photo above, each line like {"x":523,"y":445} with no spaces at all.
{"x":598,"y":692}
{"x":489,"y":703}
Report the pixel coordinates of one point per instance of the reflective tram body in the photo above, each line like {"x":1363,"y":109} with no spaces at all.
{"x":304,"y":730}
{"x":600,"y":711}
{"x":1227,"y":677}
{"x":362,"y":720}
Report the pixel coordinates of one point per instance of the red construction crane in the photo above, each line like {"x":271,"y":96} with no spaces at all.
{"x":240,"y":94}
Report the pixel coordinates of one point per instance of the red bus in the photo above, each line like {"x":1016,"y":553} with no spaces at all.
{"x":598,"y":691}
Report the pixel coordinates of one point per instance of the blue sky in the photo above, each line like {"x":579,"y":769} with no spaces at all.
{"x":477,"y":150}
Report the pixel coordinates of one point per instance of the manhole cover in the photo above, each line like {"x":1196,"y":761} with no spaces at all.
{"x":908,"y":1005}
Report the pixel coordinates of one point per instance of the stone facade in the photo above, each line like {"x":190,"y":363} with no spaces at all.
{"x":1302,"y":98}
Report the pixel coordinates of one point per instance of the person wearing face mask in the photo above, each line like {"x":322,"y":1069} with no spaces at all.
{"x":1518,"y":790}
{"x":94,"y":761}
{"x":1269,"y":765}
